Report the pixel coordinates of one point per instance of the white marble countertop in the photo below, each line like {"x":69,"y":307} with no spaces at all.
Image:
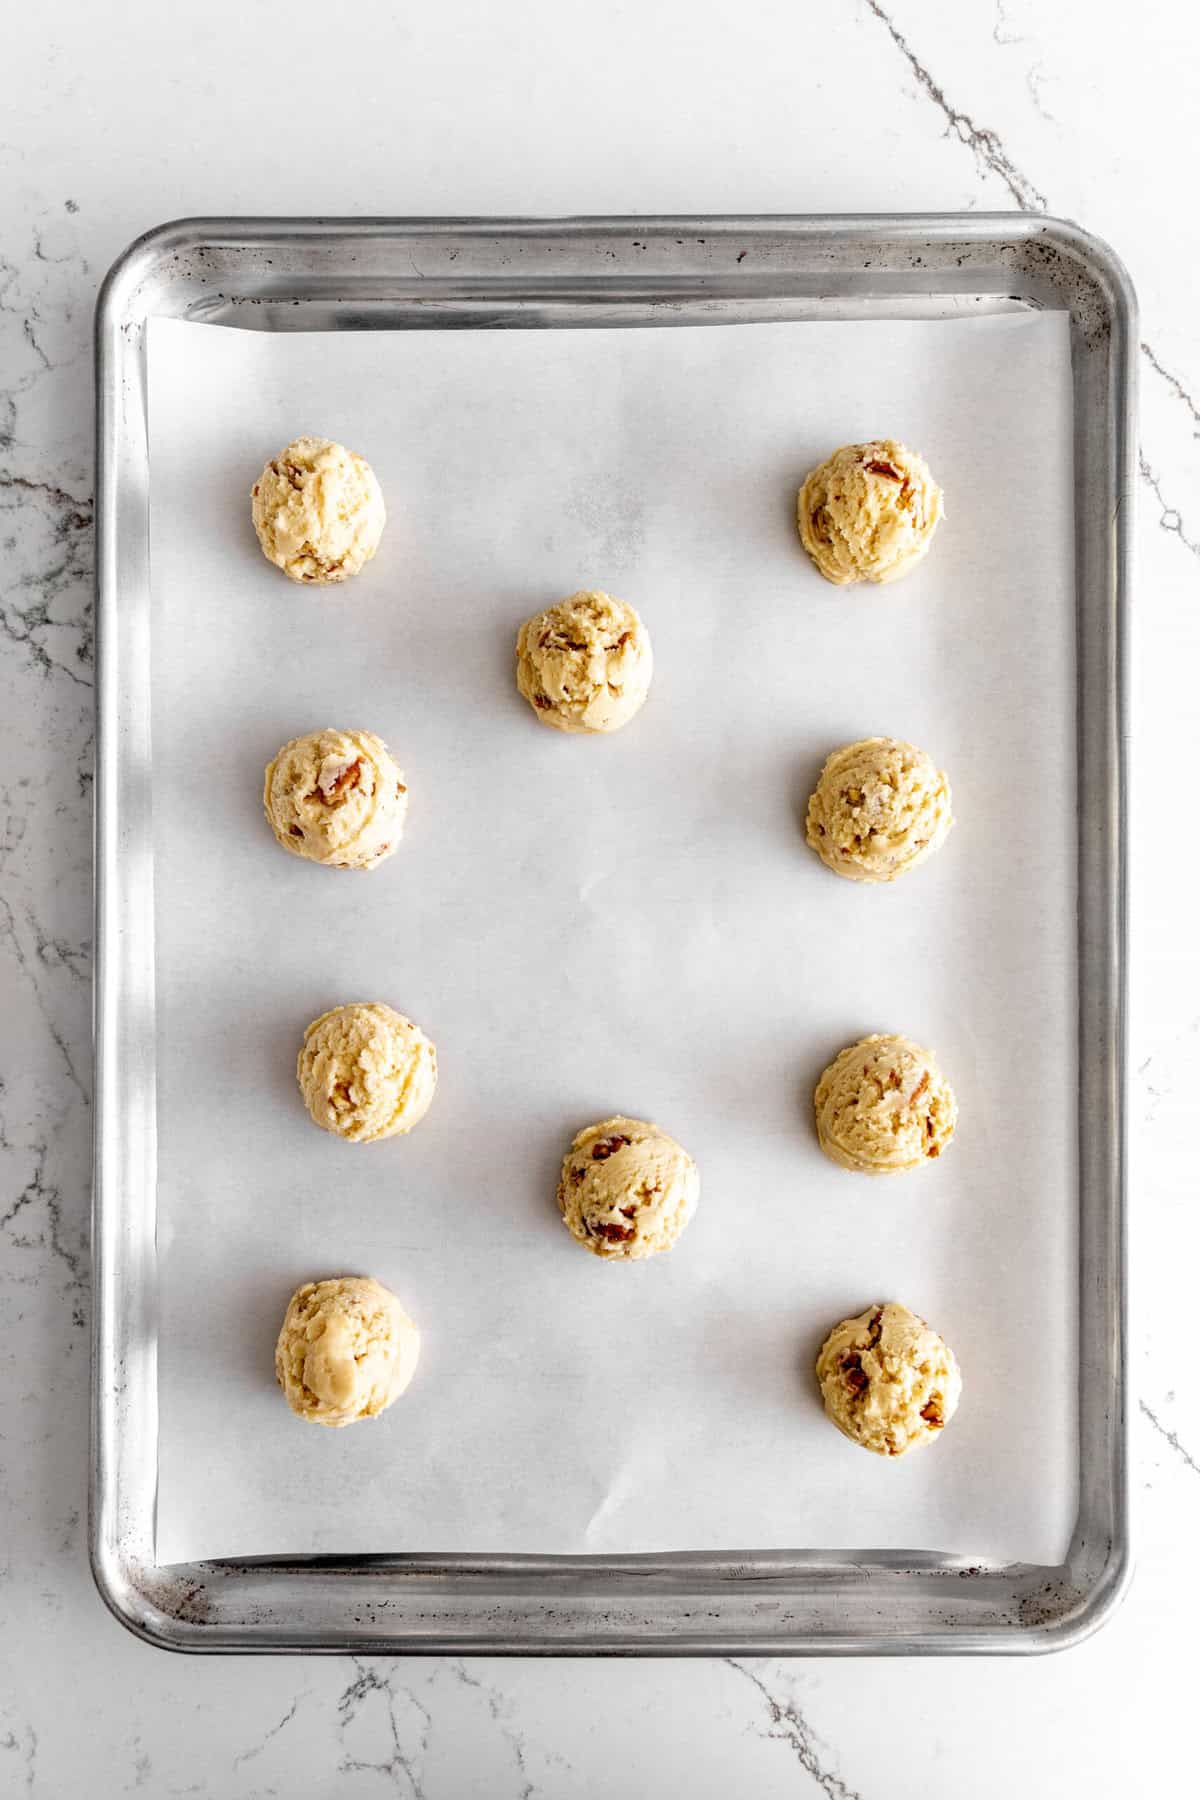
{"x":539,"y":106}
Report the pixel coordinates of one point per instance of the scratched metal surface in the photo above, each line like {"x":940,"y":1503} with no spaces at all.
{"x":386,"y":275}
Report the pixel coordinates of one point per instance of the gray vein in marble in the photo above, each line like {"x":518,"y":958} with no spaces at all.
{"x":1169,"y":519}
{"x":248,"y":1755}
{"x":350,"y":1705}
{"x":66,"y":558}
{"x":1180,"y":1040}
{"x":34,"y":619}
{"x":988,"y":149}
{"x":1002,"y":20}
{"x":31,"y":340}
{"x":53,"y":492}
{"x":1156,"y":1094}
{"x":459,"y":1669}
{"x":1174,"y":383}
{"x":1164,"y":1431}
{"x":27,"y":315}
{"x":85,"y":774}
{"x":789,"y":1726}
{"x":1035,"y":79}
{"x":69,"y":256}
{"x":26,"y":1747}
{"x":38,"y":1193}
{"x":56,"y":954}
{"x":45,"y":529}
{"x":8,"y":929}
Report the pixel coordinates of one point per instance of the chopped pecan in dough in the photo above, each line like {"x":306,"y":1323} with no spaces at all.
{"x":336,"y":777}
{"x":606,"y":1147}
{"x":614,"y":1233}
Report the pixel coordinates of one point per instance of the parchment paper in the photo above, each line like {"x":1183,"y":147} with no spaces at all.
{"x":590,"y":926}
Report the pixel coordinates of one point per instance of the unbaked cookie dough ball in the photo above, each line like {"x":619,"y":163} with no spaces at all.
{"x":336,"y":797}
{"x":887,"y":1380}
{"x":880,"y":808}
{"x":883,"y":1106}
{"x":627,"y":1190}
{"x":585,"y":664}
{"x":318,"y":511}
{"x":366,"y":1072}
{"x":346,"y":1350}
{"x":869,"y":513}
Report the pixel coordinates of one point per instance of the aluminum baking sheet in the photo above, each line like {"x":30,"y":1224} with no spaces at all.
{"x":682,"y":945}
